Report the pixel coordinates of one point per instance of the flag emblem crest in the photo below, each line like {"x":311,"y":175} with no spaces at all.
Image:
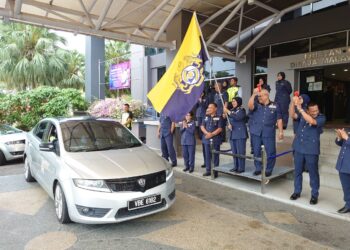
{"x":191,"y":74}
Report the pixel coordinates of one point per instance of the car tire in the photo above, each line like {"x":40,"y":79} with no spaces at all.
{"x":61,"y":205}
{"x":27,"y":172}
{"x":2,"y":158}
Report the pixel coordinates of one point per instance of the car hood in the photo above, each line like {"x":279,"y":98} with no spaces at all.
{"x":113,"y":164}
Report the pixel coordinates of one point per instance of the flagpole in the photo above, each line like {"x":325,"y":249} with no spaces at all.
{"x":211,"y":68}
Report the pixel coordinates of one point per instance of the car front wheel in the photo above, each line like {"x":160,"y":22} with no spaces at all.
{"x":61,"y":205}
{"x":2,"y":158}
{"x":27,"y":173}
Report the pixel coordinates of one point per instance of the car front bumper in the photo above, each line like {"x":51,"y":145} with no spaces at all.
{"x":113,"y":207}
{"x":13,"y":152}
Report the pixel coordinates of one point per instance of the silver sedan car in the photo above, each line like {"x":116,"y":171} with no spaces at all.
{"x":97,"y":171}
{"x":12,"y":141}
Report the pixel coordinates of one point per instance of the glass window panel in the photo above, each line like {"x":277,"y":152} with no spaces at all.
{"x":261,"y":56}
{"x":329,"y":41}
{"x":291,"y":48}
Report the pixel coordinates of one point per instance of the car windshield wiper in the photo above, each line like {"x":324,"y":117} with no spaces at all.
{"x":81,"y":149}
{"x":134,"y":145}
{"x":107,"y":148}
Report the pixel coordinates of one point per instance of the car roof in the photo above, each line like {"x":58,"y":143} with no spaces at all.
{"x":79,"y":118}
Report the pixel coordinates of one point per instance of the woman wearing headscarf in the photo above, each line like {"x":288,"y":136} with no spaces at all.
{"x":282,"y":98}
{"x":238,"y":138}
{"x":263,"y":85}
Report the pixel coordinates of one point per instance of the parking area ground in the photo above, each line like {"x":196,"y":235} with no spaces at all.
{"x":205,"y":215}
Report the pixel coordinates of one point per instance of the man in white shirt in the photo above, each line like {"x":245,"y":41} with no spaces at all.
{"x":127,"y":116}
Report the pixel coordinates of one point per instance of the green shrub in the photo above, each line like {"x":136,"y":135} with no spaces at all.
{"x":24,"y":109}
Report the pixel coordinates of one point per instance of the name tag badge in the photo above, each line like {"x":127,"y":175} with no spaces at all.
{"x":216,"y":118}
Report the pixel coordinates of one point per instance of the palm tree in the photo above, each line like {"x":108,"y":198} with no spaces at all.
{"x":30,"y":56}
{"x":75,"y":70}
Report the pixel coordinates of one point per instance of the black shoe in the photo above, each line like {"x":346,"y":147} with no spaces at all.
{"x":344,"y":210}
{"x":294,"y":196}
{"x":203,"y":166}
{"x":233,"y":169}
{"x":240,"y":171}
{"x":257,"y":173}
{"x":268,"y":174}
{"x":191,"y":171}
{"x":185,"y":169}
{"x":313,"y":200}
{"x":174,"y":164}
{"x":207,"y":174}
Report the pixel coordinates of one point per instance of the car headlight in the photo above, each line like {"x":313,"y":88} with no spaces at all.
{"x":93,"y":185}
{"x":169,"y":170}
{"x":15,"y":142}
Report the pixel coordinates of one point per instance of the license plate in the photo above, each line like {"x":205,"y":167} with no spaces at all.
{"x":144,"y":202}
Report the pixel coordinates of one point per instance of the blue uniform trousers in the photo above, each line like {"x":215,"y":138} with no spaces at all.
{"x":311,"y":162}
{"x":167,"y":148}
{"x":270,"y":147}
{"x":200,"y":134}
{"x":207,"y":154}
{"x":188,"y":152}
{"x":238,"y":146}
{"x":345,"y":182}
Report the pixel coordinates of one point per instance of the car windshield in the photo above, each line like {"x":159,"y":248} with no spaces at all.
{"x":96,"y":135}
{"x":6,"y":130}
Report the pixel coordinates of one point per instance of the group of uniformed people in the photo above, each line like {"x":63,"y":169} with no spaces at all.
{"x":217,"y":110}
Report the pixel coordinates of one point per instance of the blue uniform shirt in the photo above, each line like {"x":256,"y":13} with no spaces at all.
{"x":165,"y":125}
{"x":307,"y":138}
{"x":218,"y":102}
{"x":264,"y":119}
{"x":201,"y":108}
{"x":283,"y":91}
{"x":212,"y":123}
{"x":343,"y":162}
{"x":237,"y":118}
{"x":187,"y":134}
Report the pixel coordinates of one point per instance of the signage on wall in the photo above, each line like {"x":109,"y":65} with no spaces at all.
{"x":325,"y":57}
{"x":119,"y":76}
{"x":315,"y":86}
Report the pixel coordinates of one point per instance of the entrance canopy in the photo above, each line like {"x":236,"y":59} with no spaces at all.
{"x":145,"y":21}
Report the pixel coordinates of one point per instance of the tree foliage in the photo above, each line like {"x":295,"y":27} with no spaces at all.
{"x":31,"y":56}
{"x":25,"y":108}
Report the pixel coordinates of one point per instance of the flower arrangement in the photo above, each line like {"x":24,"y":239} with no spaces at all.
{"x":113,"y":107}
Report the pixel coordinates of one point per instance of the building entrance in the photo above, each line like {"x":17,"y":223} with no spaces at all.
{"x":330,"y":88}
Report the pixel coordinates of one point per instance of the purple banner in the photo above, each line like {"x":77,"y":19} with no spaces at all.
{"x":119,"y":76}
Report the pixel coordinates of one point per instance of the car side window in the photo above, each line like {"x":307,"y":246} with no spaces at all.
{"x":51,"y":135}
{"x":40,"y":129}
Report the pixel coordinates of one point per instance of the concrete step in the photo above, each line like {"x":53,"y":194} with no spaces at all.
{"x":328,"y":160}
{"x":328,"y":180}
{"x":325,"y":169}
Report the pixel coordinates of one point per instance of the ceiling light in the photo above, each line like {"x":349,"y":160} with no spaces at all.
{"x":346,"y":70}
{"x":333,"y":74}
{"x":251,"y":2}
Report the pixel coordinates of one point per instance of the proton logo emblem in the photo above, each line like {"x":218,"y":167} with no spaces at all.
{"x":141,"y":182}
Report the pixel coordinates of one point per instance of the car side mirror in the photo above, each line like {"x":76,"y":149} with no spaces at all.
{"x":47,"y":147}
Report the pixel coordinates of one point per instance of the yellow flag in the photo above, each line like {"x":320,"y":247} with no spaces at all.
{"x":182,"y":84}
